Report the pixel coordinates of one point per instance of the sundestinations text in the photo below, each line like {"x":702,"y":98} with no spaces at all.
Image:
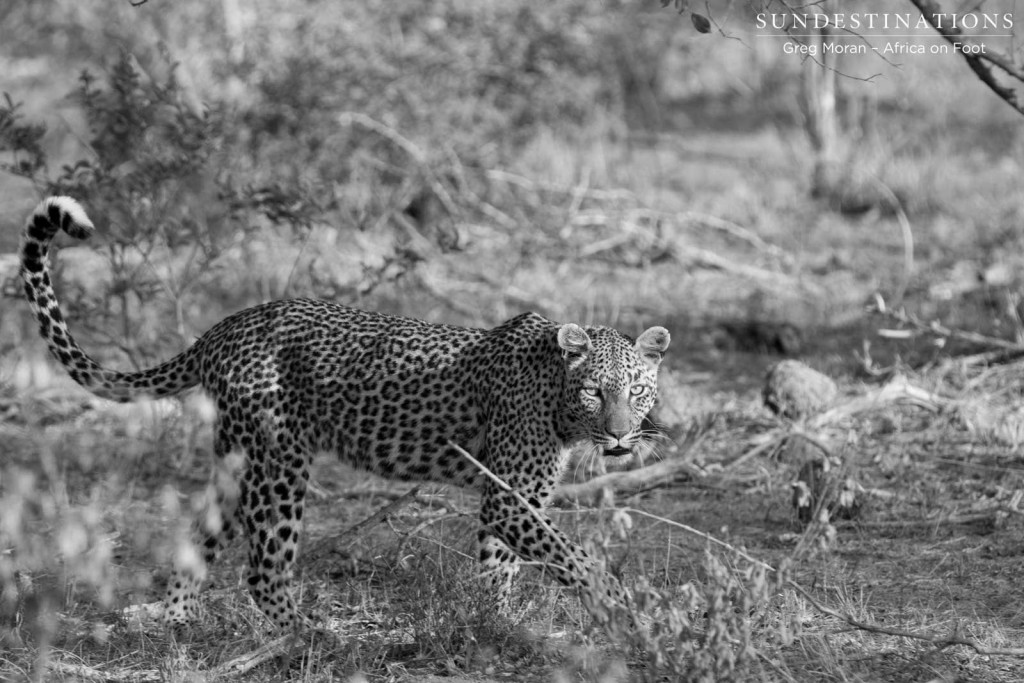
{"x":884,"y":20}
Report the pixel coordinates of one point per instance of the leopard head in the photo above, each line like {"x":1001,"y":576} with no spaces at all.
{"x":611,"y":383}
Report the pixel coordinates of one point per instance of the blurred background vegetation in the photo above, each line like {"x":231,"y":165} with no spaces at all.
{"x":464,"y":161}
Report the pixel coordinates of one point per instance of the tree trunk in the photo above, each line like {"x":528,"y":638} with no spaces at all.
{"x":819,"y":105}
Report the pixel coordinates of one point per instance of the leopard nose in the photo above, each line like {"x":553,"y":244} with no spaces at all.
{"x":617,"y":431}
{"x":617,"y":421}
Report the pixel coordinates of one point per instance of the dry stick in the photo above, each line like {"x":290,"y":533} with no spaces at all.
{"x":940,"y":642}
{"x":239,"y":666}
{"x":83,"y":672}
{"x":408,"y":535}
{"x":995,"y":357}
{"x":908,"y":239}
{"x":660,"y":473}
{"x":421,"y":498}
{"x":938,"y":328}
{"x":706,"y":258}
{"x":753,"y":452}
{"x":899,"y":389}
{"x":977,"y":518}
{"x":383,"y":512}
{"x":378,"y":516}
{"x":705,"y":536}
{"x":733,"y":229}
{"x":418,"y":529}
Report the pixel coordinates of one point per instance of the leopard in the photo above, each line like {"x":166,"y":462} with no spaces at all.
{"x":496,"y":410}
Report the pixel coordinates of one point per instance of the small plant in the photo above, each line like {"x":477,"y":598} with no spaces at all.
{"x":147,"y":150}
{"x":709,"y":629}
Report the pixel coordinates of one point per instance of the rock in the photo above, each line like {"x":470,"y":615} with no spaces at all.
{"x":794,"y":390}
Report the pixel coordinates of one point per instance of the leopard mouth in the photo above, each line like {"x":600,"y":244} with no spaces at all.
{"x":617,"y":450}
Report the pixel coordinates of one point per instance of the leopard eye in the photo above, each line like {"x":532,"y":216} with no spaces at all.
{"x":592,"y":391}
{"x":638,"y":390}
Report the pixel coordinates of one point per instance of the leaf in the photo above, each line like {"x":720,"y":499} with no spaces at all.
{"x":700,"y":22}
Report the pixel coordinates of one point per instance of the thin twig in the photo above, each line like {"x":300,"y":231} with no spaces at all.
{"x":327,"y":545}
{"x":979,"y":63}
{"x":754,"y":452}
{"x":701,"y":534}
{"x":379,"y":516}
{"x":536,"y":514}
{"x":939,"y":641}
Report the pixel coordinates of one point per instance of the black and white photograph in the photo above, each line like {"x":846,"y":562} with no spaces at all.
{"x":474,"y":341}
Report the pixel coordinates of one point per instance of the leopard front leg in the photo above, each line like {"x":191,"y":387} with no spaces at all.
{"x":500,"y":568}
{"x":520,"y":525}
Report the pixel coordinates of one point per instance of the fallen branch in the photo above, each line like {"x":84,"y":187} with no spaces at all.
{"x":642,"y":479}
{"x":940,"y":642}
{"x":237,"y":667}
{"x":706,"y":258}
{"x":240,"y":666}
{"x":381,"y":514}
{"x":937,"y":328}
{"x":994,"y":357}
{"x":88,"y":673}
{"x":898,"y":390}
{"x":995,"y":516}
{"x":768,"y":444}
{"x":421,"y":498}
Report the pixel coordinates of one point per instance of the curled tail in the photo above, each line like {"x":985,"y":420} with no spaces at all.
{"x":64,"y":213}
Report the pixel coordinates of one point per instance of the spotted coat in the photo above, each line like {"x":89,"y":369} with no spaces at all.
{"x":385,"y":393}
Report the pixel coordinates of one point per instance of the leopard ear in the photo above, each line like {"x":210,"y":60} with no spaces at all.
{"x":575,"y":344}
{"x":651,"y":345}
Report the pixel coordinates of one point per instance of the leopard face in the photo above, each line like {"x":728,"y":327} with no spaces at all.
{"x":611,"y":384}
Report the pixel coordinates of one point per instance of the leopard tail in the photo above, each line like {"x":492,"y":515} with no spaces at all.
{"x":167,"y":379}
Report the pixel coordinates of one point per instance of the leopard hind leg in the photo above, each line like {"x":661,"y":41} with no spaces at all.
{"x":213,"y":530}
{"x":271,"y":510}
